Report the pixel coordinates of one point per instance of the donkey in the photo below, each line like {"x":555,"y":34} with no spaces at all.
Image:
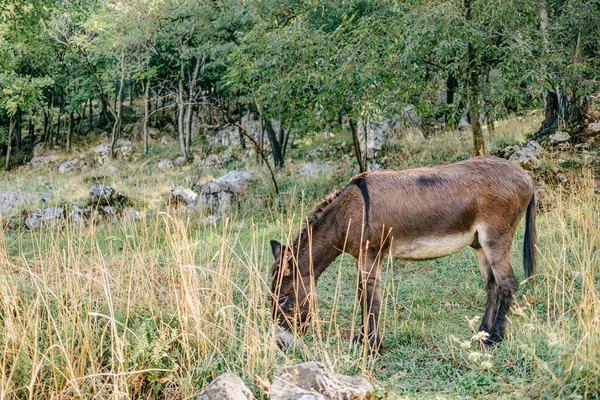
{"x":413,"y":214}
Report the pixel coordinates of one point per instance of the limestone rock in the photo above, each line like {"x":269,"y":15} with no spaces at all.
{"x":594,"y":128}
{"x":560,"y":137}
{"x":180,"y":195}
{"x":218,"y":196}
{"x":169,"y":140}
{"x":47,"y":217}
{"x":104,"y":195}
{"x":165,"y":164}
{"x":527,"y":156}
{"x":313,"y":381}
{"x":179,"y":161}
{"x":10,"y":201}
{"x":311,"y":169}
{"x":226,"y":387}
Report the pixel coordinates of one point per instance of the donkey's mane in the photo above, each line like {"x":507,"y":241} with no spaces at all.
{"x":314,"y":215}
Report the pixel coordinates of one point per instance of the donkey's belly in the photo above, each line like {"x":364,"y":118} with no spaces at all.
{"x":427,"y":248}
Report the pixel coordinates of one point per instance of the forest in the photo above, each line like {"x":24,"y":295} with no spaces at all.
{"x":156,"y":152}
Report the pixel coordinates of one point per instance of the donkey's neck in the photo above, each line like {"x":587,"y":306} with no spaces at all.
{"x":319,"y":245}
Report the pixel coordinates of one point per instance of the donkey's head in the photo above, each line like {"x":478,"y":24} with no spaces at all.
{"x":291,"y":292}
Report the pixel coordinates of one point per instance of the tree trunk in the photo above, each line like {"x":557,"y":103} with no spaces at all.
{"x":473,"y":91}
{"x":275,"y":145}
{"x":190,"y":106}
{"x":116,"y":131}
{"x":70,"y":130}
{"x":91,"y":116}
{"x":146,"y":113}
{"x":181,"y":111}
{"x":356,"y":143}
{"x":11,"y":127}
{"x":131,"y":95}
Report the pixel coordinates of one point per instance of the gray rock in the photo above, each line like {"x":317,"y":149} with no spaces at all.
{"x":218,"y":196}
{"x":10,"y":201}
{"x":165,"y":164}
{"x":39,"y":149}
{"x":124,"y":148}
{"x":525,"y":160}
{"x":37,"y":161}
{"x":68,"y":166}
{"x":168,"y":140}
{"x":226,"y":387}
{"x":180,"y":195}
{"x":211,"y":161}
{"x":381,"y":133}
{"x":46,"y":197}
{"x":106,"y":195}
{"x":103,"y":148}
{"x":311,"y":169}
{"x":594,"y":128}
{"x":47,"y":217}
{"x":152,"y":132}
{"x":560,"y":137}
{"x":179,"y":161}
{"x":313,"y":381}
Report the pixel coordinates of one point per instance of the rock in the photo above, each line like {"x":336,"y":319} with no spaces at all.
{"x":179,"y":161}
{"x":152,"y":132}
{"x":527,"y":156}
{"x":46,"y":197}
{"x":218,"y":196}
{"x":184,"y":196}
{"x":560,"y":137}
{"x":228,"y":136}
{"x":132,"y":213}
{"x":508,"y":151}
{"x":44,"y":160}
{"x":165,"y":163}
{"x":124,"y":148}
{"x":101,"y":153}
{"x":210,"y":162}
{"x":106,"y":195}
{"x":311,"y":169}
{"x":226,"y":387}
{"x":39,"y":149}
{"x":560,"y":179}
{"x":78,"y":215}
{"x":313,"y":381}
{"x":68,"y":166}
{"x":168,"y":140}
{"x":380,"y":134}
{"x":47,"y":217}
{"x":10,"y":201}
{"x":594,"y":128}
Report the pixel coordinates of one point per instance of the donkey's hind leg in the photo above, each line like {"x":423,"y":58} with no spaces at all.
{"x":498,"y":254}
{"x":487,"y":322}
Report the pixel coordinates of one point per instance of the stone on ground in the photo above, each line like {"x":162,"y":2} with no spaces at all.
{"x":313,"y":381}
{"x":226,"y":387}
{"x":9,"y":201}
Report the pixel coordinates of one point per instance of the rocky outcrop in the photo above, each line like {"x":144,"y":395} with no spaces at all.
{"x":216,"y":197}
{"x":180,"y":195}
{"x":526,"y":156}
{"x":312,"y":169}
{"x":313,"y":381}
{"x":51,"y":216}
{"x":165,"y":163}
{"x":10,"y":201}
{"x":226,"y":387}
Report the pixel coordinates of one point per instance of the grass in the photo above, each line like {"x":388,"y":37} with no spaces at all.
{"x":160,"y":306}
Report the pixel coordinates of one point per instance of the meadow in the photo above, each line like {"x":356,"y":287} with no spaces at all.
{"x":161,"y":305}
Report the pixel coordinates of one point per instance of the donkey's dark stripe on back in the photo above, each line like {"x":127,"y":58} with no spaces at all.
{"x":413,"y":214}
{"x":361,"y":182}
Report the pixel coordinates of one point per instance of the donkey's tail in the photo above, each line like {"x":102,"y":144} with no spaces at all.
{"x":529,"y":256}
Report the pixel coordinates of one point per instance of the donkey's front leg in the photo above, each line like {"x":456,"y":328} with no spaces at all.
{"x":369,"y":297}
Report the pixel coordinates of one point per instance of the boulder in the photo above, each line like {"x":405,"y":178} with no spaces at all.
{"x":179,"y":161}
{"x":381,"y":133}
{"x":101,"y":153}
{"x":10,"y":201}
{"x":218,"y":196}
{"x":560,"y":137}
{"x":180,"y":195}
{"x":103,"y":195}
{"x":167,"y":139}
{"x":39,"y":149}
{"x":47,"y":217}
{"x":312,"y":169}
{"x":527,"y":156}
{"x":46,"y":197}
{"x":124,"y":148}
{"x":37,"y":161}
{"x":313,"y":381}
{"x":594,"y":128}
{"x":68,"y":166}
{"x":226,"y":387}
{"x":165,"y":163}
{"x":211,"y":161}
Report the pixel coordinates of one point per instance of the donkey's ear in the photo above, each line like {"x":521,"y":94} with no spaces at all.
{"x":276,"y":249}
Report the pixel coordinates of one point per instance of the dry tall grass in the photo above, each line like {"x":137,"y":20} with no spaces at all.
{"x":161,"y":305}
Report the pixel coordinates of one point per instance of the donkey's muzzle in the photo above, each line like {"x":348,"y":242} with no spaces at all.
{"x":285,"y":340}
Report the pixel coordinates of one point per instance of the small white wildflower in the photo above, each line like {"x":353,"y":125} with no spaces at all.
{"x":481,"y":335}
{"x":472,"y":321}
{"x":475,"y":356}
{"x":518,"y":311}
{"x":466,"y":344}
{"x":530,"y":327}
{"x":486,"y":364}
{"x":553,"y":339}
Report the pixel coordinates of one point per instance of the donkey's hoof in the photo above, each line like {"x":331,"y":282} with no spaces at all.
{"x":493,"y":339}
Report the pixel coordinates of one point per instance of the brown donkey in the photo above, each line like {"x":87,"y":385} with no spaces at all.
{"x":414,"y":214}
